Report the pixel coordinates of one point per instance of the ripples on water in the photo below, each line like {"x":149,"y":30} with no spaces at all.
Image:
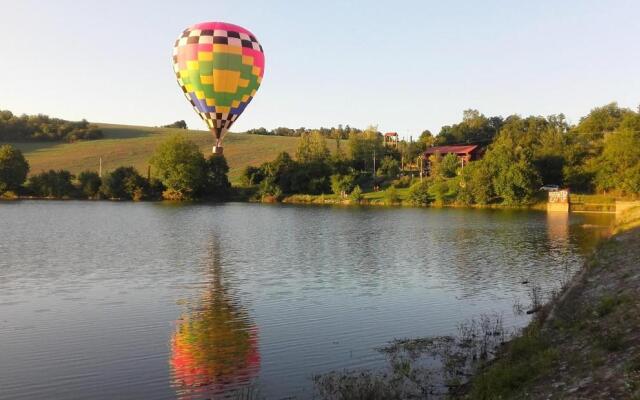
{"x":121,"y":300}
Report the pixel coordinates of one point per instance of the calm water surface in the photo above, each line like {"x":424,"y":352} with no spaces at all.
{"x":121,"y":300}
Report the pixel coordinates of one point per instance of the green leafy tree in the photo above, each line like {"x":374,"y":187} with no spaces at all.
{"x":356,"y":194}
{"x":449,"y":166}
{"x":363,"y":146}
{"x":216,"y":180}
{"x":124,"y":183}
{"x":389,"y":168}
{"x":419,"y":194}
{"x":312,"y":148}
{"x":474,"y":128}
{"x":475,"y":185}
{"x":55,"y":184}
{"x":391,"y":196}
{"x":620,"y":163}
{"x":13,"y":168}
{"x":342,"y":184}
{"x":180,"y":165}
{"x":89,"y":183}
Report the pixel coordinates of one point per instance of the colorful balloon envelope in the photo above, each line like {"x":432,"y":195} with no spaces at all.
{"x":219,"y":67}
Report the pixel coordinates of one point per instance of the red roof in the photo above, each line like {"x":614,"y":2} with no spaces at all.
{"x":391,"y":134}
{"x":465,"y":149}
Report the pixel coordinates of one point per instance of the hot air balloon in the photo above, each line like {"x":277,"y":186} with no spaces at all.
{"x":219,"y":67}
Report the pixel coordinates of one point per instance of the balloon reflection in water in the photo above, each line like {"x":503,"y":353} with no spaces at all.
{"x":215,"y":346}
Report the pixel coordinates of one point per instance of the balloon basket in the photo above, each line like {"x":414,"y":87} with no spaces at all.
{"x":217,"y":149}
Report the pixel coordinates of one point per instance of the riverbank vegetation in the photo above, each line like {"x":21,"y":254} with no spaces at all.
{"x":601,"y":154}
{"x":181,"y":172}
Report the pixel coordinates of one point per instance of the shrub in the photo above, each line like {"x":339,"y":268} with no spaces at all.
{"x":342,"y":184}
{"x":89,"y":183}
{"x":56,"y":184}
{"x":439,"y":190}
{"x":402,"y":182}
{"x":252,"y":176}
{"x":391,"y":196}
{"x":13,"y":168}
{"x":419,"y":194}
{"x":356,"y":194}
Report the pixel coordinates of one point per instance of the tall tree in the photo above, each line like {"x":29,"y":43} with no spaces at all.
{"x":13,"y":168}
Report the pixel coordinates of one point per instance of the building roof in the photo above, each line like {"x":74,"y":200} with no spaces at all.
{"x":391,"y":134}
{"x":457,"y":149}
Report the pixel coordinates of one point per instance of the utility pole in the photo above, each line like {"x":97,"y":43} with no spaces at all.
{"x":374,"y":163}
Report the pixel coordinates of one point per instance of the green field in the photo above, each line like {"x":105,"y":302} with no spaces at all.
{"x":125,"y":145}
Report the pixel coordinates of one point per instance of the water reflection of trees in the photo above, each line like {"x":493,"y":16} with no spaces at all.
{"x":215,"y":346}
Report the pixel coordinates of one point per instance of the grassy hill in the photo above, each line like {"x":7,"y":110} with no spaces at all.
{"x":125,"y":145}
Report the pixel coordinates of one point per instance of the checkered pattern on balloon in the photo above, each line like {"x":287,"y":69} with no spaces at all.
{"x":219,"y":67}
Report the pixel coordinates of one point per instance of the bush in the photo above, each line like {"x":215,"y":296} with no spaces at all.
{"x":342,"y":184}
{"x":356,"y":194}
{"x":439,"y":190}
{"x":180,"y":165}
{"x":252,"y":176}
{"x":56,"y":184}
{"x":13,"y":168}
{"x":89,"y":183}
{"x":402,"y":182}
{"x":419,"y":194}
{"x":391,"y":196}
{"x":124,"y":183}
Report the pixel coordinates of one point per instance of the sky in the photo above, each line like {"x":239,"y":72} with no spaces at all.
{"x":404,"y":66}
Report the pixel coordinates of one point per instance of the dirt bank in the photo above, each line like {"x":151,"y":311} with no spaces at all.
{"x":586,"y":343}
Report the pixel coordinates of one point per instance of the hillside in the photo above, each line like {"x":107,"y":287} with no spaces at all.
{"x":125,"y":145}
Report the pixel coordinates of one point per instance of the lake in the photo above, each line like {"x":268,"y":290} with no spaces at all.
{"x":153,"y":300}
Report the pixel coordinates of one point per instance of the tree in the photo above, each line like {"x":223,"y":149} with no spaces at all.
{"x":419,"y":194}
{"x":124,"y":183}
{"x":312,"y":148}
{"x":620,"y":162}
{"x":13,"y":168}
{"x":449,"y":166}
{"x":363,"y":146}
{"x":476,"y":184}
{"x":356,"y":194}
{"x":56,"y":184}
{"x":389,"y":168}
{"x":474,"y":128}
{"x":178,"y":124}
{"x":180,"y":166}
{"x":89,"y":183}
{"x":342,"y":184}
{"x":216,"y":180}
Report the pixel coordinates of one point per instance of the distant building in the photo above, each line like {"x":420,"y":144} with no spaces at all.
{"x":391,"y":139}
{"x":465,"y":153}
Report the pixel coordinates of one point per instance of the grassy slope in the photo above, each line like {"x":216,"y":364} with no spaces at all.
{"x":589,"y":347}
{"x":126,"y":145}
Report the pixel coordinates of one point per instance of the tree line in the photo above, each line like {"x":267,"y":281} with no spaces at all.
{"x":599,"y":154}
{"x":39,"y":128}
{"x":181,"y":172}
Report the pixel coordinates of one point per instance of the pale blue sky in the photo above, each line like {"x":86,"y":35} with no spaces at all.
{"x":403,"y":65}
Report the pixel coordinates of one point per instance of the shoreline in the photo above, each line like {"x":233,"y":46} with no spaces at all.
{"x":585,"y":341}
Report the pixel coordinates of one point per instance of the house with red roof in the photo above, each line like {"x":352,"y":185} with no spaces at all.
{"x":465,"y":153}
